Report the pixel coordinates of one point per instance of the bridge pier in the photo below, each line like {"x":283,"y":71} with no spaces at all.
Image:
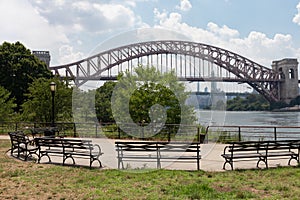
{"x":289,"y":88}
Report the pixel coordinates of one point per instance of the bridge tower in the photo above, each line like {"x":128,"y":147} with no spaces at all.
{"x":288,"y":89}
{"x":43,"y":56}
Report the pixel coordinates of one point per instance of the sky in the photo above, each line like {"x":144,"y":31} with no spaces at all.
{"x":261,"y":30}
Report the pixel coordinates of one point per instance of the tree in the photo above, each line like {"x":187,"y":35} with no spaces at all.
{"x":38,"y":106}
{"x":295,"y":101}
{"x":278,"y":105}
{"x":103,"y":102}
{"x":7,"y":105}
{"x":149,"y":96}
{"x":19,"y":68}
{"x":252,"y":102}
{"x":84,"y":105}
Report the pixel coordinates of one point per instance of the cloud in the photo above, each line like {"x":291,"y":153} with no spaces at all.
{"x":223,"y":32}
{"x":87,"y":16}
{"x":69,"y":29}
{"x":19,"y":23}
{"x":264,"y":49}
{"x":185,"y":5}
{"x":50,"y":25}
{"x":256,"y":46}
{"x":296,"y":18}
{"x":67,"y":53}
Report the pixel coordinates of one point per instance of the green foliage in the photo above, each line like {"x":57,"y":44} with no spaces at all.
{"x":19,"y":68}
{"x":7,"y":105}
{"x":84,"y":105}
{"x":282,"y":104}
{"x":252,"y":102}
{"x":38,"y":107}
{"x":278,"y":105}
{"x":149,"y":95}
{"x":103,"y":102}
{"x":295,"y":101}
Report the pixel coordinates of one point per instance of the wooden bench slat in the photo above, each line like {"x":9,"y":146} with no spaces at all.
{"x":245,"y":155}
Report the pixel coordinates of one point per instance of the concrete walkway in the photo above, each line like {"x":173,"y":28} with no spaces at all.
{"x":211,"y":159}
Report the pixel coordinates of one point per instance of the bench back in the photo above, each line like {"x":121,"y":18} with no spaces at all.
{"x":136,"y":146}
{"x":263,"y":145}
{"x":77,"y":144}
{"x":64,"y":143}
{"x":179,"y":147}
{"x":49,"y":142}
{"x":254,"y":146}
{"x":18,"y":138}
{"x":283,"y":144}
{"x":157,"y":146}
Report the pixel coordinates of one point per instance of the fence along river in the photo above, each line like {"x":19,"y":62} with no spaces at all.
{"x":239,"y":125}
{"x":252,"y":125}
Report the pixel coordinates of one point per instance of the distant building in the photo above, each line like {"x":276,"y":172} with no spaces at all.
{"x":200,"y":101}
{"x":206,"y":89}
{"x":43,"y":56}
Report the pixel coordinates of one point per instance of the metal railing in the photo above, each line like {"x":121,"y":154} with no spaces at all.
{"x":66,"y":128}
{"x":251,"y":133}
{"x":168,"y":132}
{"x":110,"y":130}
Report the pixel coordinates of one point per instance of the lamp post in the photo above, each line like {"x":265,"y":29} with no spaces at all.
{"x":53,"y":89}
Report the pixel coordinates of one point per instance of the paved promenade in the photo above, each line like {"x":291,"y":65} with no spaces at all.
{"x":211,"y":159}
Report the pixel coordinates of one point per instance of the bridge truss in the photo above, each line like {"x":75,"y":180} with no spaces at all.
{"x":191,"y":62}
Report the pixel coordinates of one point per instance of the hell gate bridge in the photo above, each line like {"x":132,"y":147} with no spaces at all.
{"x":191,"y":62}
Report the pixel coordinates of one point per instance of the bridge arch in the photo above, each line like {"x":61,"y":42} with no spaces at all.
{"x":106,"y":65}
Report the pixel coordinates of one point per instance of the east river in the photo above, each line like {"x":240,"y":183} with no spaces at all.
{"x":245,"y":118}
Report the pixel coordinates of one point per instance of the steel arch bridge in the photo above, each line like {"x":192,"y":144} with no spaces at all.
{"x":191,"y":62}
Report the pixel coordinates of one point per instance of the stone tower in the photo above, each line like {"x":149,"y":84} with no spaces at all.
{"x":289,"y":88}
{"x":43,"y":56}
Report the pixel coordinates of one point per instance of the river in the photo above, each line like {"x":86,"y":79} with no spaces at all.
{"x":245,"y":118}
{"x":283,"y":121}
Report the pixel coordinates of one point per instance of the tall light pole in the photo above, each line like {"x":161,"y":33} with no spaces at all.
{"x":53,"y":89}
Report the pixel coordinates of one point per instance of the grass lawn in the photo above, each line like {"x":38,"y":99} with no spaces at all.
{"x":27,"y":180}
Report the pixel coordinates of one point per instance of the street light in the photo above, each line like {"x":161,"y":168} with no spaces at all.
{"x":53,"y":89}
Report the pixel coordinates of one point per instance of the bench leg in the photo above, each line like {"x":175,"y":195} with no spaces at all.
{"x":20,"y":150}
{"x":13,"y":148}
{"x":29,"y":153}
{"x":66,"y":157}
{"x":158,"y":163}
{"x":229,"y":161}
{"x":44,"y":154}
{"x":263,"y":159}
{"x":18,"y":153}
{"x":295,"y":157}
{"x":120,"y":163}
{"x":92,"y":159}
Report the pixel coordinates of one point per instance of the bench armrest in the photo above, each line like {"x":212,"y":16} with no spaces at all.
{"x":225,"y":149}
{"x":29,"y":141}
{"x":97,"y":148}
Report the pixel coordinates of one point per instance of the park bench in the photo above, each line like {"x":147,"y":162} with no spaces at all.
{"x":68,"y":149}
{"x":262,"y":151}
{"x":21,"y":145}
{"x":156,"y":151}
